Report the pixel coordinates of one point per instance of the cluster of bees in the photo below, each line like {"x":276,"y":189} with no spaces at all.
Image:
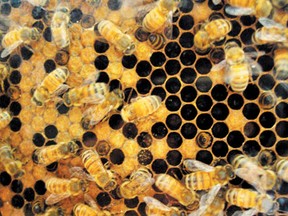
{"x":239,"y":67}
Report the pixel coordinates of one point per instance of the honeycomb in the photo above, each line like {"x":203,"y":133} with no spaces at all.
{"x":196,"y":102}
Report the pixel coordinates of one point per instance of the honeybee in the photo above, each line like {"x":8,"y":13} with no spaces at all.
{"x":246,"y":169}
{"x":63,"y":188}
{"x":93,"y":93}
{"x":50,"y":154}
{"x":112,"y":33}
{"x":246,"y":198}
{"x":155,"y":207}
{"x":156,"y":41}
{"x":40,"y":3}
{"x":211,"y":32}
{"x":50,"y":86}
{"x":239,"y":67}
{"x":207,"y":176}
{"x":139,"y":182}
{"x":59,"y":26}
{"x":282,"y":169}
{"x":267,"y":100}
{"x":140,"y":107}
{"x":12,"y":166}
{"x":159,"y":15}
{"x":104,"y":178}
{"x":97,"y":113}
{"x":38,"y":205}
{"x":279,"y":3}
{"x":271,"y":32}
{"x":175,"y":189}
{"x":259,"y":8}
{"x":281,"y":63}
{"x":91,"y":209}
{"x":211,"y":203}
{"x":15,"y":37}
{"x":5,"y":119}
{"x":4,"y":70}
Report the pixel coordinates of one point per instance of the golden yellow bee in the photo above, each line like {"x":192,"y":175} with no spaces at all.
{"x":14,"y":38}
{"x":281,"y":63}
{"x":97,"y":113}
{"x":279,"y":3}
{"x":246,"y":198}
{"x":12,"y":166}
{"x":52,"y":85}
{"x":259,"y":8}
{"x":239,"y":67}
{"x":156,"y":41}
{"x":54,"y":211}
{"x":206,"y":176}
{"x":282,"y":169}
{"x":259,"y":178}
{"x":93,"y":93}
{"x":211,"y":32}
{"x":91,"y":209}
{"x":177,"y":190}
{"x":113,"y":34}
{"x":40,"y":3}
{"x":138,"y":183}
{"x":5,"y":119}
{"x":271,"y":32}
{"x":155,"y":208}
{"x":104,"y":178}
{"x":140,"y":107}
{"x":211,"y":203}
{"x":4,"y":71}
{"x":159,"y":15}
{"x":63,"y":188}
{"x":59,"y":26}
{"x":38,"y":205}
{"x":50,"y":154}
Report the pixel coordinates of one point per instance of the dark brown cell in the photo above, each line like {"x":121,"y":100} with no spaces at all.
{"x":251,"y":129}
{"x":117,"y":156}
{"x":87,"y":21}
{"x":159,"y":166}
{"x":103,"y":147}
{"x":145,"y":157}
{"x":62,"y":57}
{"x":220,"y":149}
{"x":89,"y":139}
{"x":251,"y":148}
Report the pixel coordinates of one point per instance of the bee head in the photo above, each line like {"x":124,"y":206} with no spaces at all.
{"x":85,"y":123}
{"x":19,"y":173}
{"x":201,"y":41}
{"x":35,"y":34}
{"x":73,"y":147}
{"x":130,"y":49}
{"x":229,"y":171}
{"x":66,"y":100}
{"x":35,"y":157}
{"x":84,"y":186}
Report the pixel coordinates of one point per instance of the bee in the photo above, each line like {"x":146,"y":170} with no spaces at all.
{"x":211,"y":32}
{"x":267,"y":100}
{"x":211,"y":203}
{"x":4,"y":71}
{"x":207,"y":176}
{"x":12,"y":166}
{"x":50,"y":86}
{"x":271,"y":32}
{"x":281,"y":63}
{"x":97,"y":113}
{"x":92,"y":93}
{"x":204,"y":139}
{"x":177,"y":190}
{"x":259,"y":8}
{"x":140,"y":107}
{"x":239,"y":67}
{"x":280,"y":4}
{"x":159,"y":15}
{"x":246,"y":169}
{"x":112,"y":33}
{"x":59,"y":26}
{"x":104,"y":178}
{"x":63,"y":188}
{"x":54,"y":211}
{"x":91,"y":209}
{"x":246,"y":198}
{"x":38,"y":205}
{"x":50,"y":154}
{"x":156,"y":41}
{"x":5,"y":119}
{"x":282,"y":169}
{"x":155,"y":207}
{"x":15,"y":37}
{"x":139,"y":182}
{"x":39,"y":3}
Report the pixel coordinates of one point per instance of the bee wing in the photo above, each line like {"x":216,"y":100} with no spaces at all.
{"x":90,"y":201}
{"x":92,"y":78}
{"x":94,"y":118}
{"x":249,"y":212}
{"x":150,"y":201}
{"x":219,"y":66}
{"x":78,"y":172}
{"x":62,"y":88}
{"x":8,"y":50}
{"x":238,"y":11}
{"x":194,"y":165}
{"x":269,"y":23}
{"x":271,"y":37}
{"x":55,"y":198}
{"x":93,"y":99}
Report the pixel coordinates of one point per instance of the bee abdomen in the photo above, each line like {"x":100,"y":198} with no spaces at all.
{"x":156,"y":41}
